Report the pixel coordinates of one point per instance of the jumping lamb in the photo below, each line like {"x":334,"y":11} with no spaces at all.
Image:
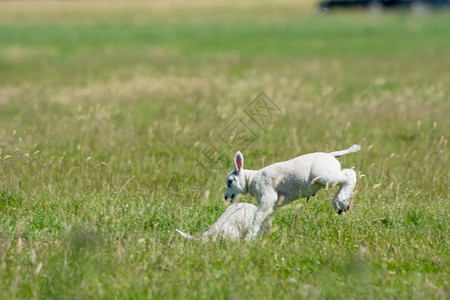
{"x":281,"y":183}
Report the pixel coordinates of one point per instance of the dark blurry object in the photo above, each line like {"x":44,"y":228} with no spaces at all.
{"x":379,"y":5}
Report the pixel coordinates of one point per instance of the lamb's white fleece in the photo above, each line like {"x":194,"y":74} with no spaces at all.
{"x":281,"y":183}
{"x":232,"y":224}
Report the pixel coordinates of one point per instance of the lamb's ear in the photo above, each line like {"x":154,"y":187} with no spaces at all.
{"x":238,"y":161}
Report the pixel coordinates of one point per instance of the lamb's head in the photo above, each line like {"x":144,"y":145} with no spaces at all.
{"x":235,"y":181}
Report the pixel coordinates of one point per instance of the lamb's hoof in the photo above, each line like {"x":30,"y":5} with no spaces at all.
{"x":307,"y":199}
{"x":340,"y":211}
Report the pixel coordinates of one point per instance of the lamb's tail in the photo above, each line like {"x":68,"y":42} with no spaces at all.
{"x":352,"y":149}
{"x":185,"y":235}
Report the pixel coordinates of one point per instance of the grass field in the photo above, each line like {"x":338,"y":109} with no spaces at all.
{"x":107,"y":107}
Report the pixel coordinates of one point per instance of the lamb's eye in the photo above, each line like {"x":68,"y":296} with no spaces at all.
{"x":230,"y":182}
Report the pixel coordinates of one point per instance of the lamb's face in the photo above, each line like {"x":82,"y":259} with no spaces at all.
{"x":235,"y":181}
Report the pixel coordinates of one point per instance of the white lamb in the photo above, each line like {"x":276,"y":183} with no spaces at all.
{"x":232,"y":224}
{"x":281,"y":183}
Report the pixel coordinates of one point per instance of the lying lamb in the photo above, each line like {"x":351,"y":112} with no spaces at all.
{"x":281,"y":183}
{"x":232,"y":224}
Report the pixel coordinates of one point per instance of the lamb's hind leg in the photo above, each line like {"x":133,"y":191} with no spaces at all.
{"x":341,"y":200}
{"x":346,"y":180}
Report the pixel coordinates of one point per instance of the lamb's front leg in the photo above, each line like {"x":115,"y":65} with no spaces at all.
{"x":262,"y":216}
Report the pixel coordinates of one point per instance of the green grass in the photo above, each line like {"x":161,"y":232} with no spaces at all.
{"x":102,"y":118}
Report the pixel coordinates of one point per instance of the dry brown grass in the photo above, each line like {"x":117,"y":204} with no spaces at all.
{"x":140,"y":10}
